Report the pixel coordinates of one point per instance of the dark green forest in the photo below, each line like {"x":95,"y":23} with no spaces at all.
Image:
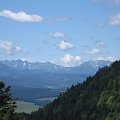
{"x":97,"y":98}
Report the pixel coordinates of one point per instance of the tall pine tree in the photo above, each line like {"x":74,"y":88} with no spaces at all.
{"x":7,"y":104}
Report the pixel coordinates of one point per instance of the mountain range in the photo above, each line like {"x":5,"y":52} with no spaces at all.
{"x":50,"y":67}
{"x":24,"y":73}
{"x":31,"y":78}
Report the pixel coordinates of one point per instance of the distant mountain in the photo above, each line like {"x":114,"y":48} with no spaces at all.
{"x":6,"y":70}
{"x":89,"y":67}
{"x":97,"y":98}
{"x":25,"y":65}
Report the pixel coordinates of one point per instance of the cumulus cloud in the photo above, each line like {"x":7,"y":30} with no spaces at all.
{"x":114,"y":20}
{"x":93,"y":51}
{"x":21,"y":16}
{"x":58,"y":35}
{"x":63,"y":45}
{"x":70,"y":61}
{"x":8,"y":48}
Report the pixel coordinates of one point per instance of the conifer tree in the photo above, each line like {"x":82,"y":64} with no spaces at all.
{"x":7,"y":104}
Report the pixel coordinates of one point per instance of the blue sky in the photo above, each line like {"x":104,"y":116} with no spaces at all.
{"x":63,"y":32}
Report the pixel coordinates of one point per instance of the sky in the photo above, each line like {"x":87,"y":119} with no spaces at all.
{"x":63,"y":32}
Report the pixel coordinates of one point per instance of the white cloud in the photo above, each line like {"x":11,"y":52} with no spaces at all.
{"x":93,"y":51}
{"x":100,"y":44}
{"x":21,"y":16}
{"x":70,"y":61}
{"x":18,"y":49}
{"x":114,"y":20}
{"x":112,"y":59}
{"x":8,"y":48}
{"x":58,"y":35}
{"x":63,"y":45}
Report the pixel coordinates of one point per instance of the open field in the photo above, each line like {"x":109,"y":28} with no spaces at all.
{"x":26,"y":107}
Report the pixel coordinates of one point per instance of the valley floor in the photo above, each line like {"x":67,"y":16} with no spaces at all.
{"x":26,"y":107}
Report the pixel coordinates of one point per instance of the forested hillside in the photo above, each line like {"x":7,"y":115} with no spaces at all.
{"x":98,"y":98}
